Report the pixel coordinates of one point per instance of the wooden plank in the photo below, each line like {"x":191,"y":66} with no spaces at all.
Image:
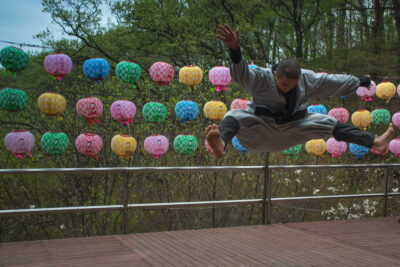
{"x":371,"y":242}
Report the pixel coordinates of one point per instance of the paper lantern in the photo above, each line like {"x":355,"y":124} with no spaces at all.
{"x":55,"y":142}
{"x":123,"y":145}
{"x":385,"y":91}
{"x":20,"y":143}
{"x":215,"y":110}
{"x":162,"y":73}
{"x":362,"y":118}
{"x":357,"y":150}
{"x":129,"y":72}
{"x":185,"y":144}
{"x":154,"y":112}
{"x":317,"y":108}
{"x":190,"y":75}
{"x":13,"y":99}
{"x":316,"y":147}
{"x":58,"y":65}
{"x":240,"y":103}
{"x":123,"y":111}
{"x":381,"y":116}
{"x":398,"y":90}
{"x":396,"y":119}
{"x":335,"y":148}
{"x":156,"y":145}
{"x":238,"y":146}
{"x":90,"y":108}
{"x":14,"y":59}
{"x":220,"y":76}
{"x":366,"y":93}
{"x":52,"y":104}
{"x":339,"y":113}
{"x":394,"y":147}
{"x":252,"y":66}
{"x":89,"y":144}
{"x":187,"y":110}
{"x":96,"y":69}
{"x":293,"y":151}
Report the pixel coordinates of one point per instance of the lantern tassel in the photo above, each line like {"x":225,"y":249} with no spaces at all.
{"x":220,"y":88}
{"x":366,"y":98}
{"x":127,"y":122}
{"x":93,"y":120}
{"x":19,"y":155}
{"x":96,"y":157}
{"x":59,"y":77}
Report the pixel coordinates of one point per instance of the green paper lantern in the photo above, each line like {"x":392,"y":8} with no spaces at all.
{"x":55,"y":142}
{"x":293,"y":151}
{"x":128,"y":71}
{"x":154,"y":112}
{"x":185,"y":144}
{"x":13,"y":99}
{"x":14,"y":59}
{"x":381,"y":116}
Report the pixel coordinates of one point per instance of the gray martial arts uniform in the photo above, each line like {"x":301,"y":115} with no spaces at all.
{"x":262,"y":132}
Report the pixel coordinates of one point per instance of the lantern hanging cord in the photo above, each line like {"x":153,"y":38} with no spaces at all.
{"x":25,"y":44}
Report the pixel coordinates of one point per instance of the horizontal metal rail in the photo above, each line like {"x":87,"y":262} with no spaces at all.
{"x":173,"y":205}
{"x":182,"y":205}
{"x":188,"y":169}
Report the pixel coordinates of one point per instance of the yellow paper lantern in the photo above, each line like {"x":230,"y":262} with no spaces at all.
{"x":214,"y":110}
{"x":362,"y":118}
{"x":52,"y":104}
{"x":190,"y":75}
{"x":316,"y":147}
{"x":123,"y":145}
{"x":385,"y":91}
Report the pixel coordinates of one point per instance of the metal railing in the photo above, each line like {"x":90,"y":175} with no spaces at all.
{"x":266,"y":200}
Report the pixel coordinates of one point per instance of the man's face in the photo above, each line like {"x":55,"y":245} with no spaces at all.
{"x":285,"y":84}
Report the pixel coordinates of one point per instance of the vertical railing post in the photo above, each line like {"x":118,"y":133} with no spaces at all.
{"x":125,"y":198}
{"x":385,"y":199}
{"x":266,"y":203}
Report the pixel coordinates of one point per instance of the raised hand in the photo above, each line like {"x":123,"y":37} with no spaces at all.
{"x":230,"y":37}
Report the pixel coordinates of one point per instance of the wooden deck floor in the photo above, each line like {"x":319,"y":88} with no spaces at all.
{"x":369,"y":242}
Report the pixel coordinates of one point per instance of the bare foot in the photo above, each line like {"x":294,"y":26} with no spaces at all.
{"x":381,"y":142}
{"x":214,"y":140}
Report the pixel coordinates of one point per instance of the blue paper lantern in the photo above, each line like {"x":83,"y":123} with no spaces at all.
{"x":96,"y":68}
{"x":236,"y":144}
{"x":357,"y":150}
{"x":317,"y":108}
{"x":187,"y":110}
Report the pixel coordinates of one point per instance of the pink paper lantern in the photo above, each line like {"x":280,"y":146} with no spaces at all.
{"x":396,"y":119}
{"x":398,"y":89}
{"x":156,"y":145}
{"x":89,"y":144}
{"x":220,"y":76}
{"x":339,"y":113}
{"x":366,"y":93}
{"x":335,"y":148}
{"x":123,"y":111}
{"x":19,"y":142}
{"x":90,"y":108}
{"x":394,"y":147}
{"x":240,"y":103}
{"x":162,"y":73}
{"x":58,"y":65}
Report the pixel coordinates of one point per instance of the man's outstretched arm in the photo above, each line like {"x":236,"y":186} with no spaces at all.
{"x":325,"y":85}
{"x":240,"y":71}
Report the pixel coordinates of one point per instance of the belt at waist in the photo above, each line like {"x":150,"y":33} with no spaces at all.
{"x":280,"y":117}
